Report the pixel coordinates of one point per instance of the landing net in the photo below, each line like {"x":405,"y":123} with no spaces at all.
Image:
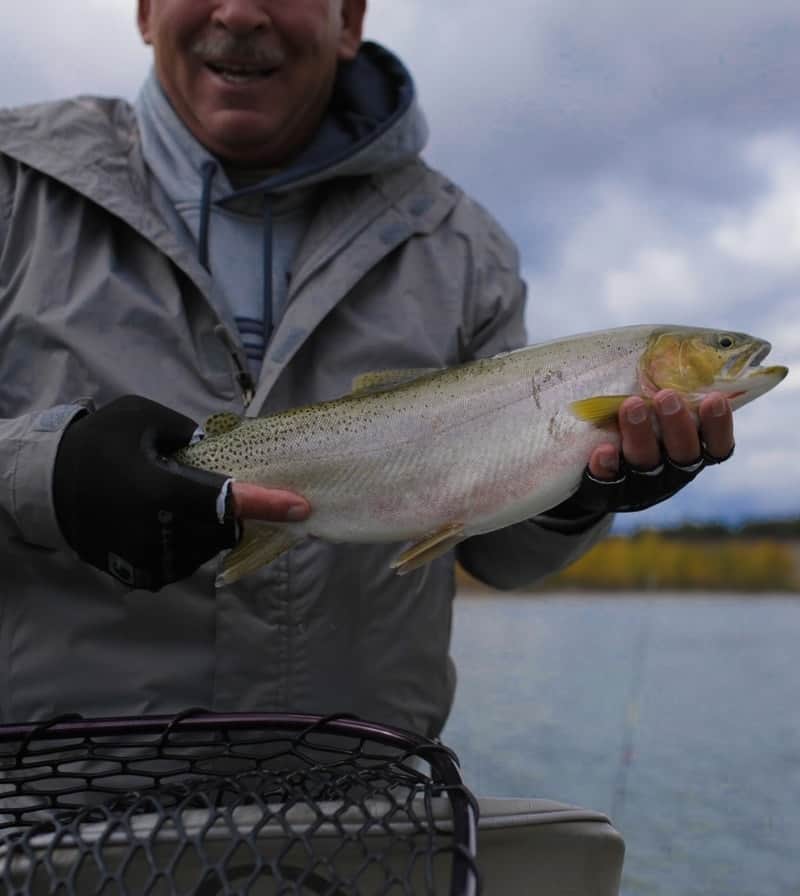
{"x":244,"y":803}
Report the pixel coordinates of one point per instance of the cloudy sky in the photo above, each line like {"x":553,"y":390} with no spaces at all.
{"x":644,"y":155}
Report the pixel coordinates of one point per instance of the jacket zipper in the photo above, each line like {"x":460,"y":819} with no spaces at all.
{"x":240,"y":372}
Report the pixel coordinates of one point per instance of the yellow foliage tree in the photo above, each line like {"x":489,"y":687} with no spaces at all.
{"x":649,"y":561}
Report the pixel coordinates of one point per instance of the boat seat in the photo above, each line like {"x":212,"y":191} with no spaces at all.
{"x":545,"y":848}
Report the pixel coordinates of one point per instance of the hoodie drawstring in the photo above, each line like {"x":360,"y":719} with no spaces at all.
{"x":243,"y":377}
{"x":267,"y":267}
{"x":207,"y":170}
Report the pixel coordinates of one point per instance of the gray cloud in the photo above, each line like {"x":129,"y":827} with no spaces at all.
{"x":60,"y":49}
{"x":555,"y":96}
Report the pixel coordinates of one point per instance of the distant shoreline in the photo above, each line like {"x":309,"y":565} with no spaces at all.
{"x":657,"y":564}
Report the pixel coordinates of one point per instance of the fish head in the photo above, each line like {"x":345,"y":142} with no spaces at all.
{"x":696,"y":361}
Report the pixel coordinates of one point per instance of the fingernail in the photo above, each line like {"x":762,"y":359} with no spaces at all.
{"x":719,"y":406}
{"x":609,"y":462}
{"x":637,"y":413}
{"x":296,"y":513}
{"x":670,"y":404}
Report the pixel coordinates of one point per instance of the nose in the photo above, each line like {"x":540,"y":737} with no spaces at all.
{"x":241,"y":16}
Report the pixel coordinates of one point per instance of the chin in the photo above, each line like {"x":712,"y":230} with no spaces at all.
{"x":243,"y":140}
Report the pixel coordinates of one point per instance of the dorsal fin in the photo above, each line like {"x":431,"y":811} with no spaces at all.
{"x":219,"y":424}
{"x":380,"y":380}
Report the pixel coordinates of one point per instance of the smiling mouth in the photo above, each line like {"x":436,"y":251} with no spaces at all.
{"x":240,"y":74}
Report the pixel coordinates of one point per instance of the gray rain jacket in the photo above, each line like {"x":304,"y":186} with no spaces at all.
{"x":100,"y":295}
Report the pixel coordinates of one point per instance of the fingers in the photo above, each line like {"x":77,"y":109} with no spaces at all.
{"x":604,"y":462}
{"x":679,"y":432}
{"x":679,"y":440}
{"x":639,"y":443}
{"x":252,"y":502}
{"x":640,"y":446}
{"x":716,"y":425}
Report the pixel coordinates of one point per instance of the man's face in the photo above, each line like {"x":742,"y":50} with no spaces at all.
{"x":250,"y":78}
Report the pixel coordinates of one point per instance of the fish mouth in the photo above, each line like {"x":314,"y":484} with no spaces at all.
{"x":744,"y":377}
{"x":754,"y":368}
{"x":760,"y":353}
{"x":747,"y":362}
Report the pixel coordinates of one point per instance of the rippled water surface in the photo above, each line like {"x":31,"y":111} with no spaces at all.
{"x":678,"y":716}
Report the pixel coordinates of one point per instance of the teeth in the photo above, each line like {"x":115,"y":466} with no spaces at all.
{"x":238,"y":73}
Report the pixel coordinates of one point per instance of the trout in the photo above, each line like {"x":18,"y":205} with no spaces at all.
{"x":437,"y":456}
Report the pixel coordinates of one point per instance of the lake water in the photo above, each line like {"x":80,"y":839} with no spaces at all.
{"x":679,"y":717}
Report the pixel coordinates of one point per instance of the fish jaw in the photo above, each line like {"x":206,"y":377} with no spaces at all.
{"x":742,"y":389}
{"x":742,"y":379}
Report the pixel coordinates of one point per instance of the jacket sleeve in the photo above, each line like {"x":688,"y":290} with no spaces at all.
{"x":28,"y":443}
{"x":28,"y":447}
{"x":518,"y":555}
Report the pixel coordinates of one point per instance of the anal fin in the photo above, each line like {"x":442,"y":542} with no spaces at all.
{"x":429,"y":548}
{"x":260,"y":544}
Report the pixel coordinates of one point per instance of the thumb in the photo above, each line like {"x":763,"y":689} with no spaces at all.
{"x":253,"y":502}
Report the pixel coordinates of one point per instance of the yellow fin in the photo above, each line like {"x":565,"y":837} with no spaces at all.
{"x":599,"y":410}
{"x":380,"y":380}
{"x":219,"y":424}
{"x":431,"y":547}
{"x":260,"y":544}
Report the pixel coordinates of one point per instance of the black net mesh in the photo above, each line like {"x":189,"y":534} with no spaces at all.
{"x":242,"y":803}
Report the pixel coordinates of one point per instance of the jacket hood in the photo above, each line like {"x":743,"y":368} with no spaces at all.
{"x":373,"y":124}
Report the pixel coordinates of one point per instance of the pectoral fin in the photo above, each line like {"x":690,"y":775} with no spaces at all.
{"x":599,"y":410}
{"x":261,"y":543}
{"x":429,"y":548}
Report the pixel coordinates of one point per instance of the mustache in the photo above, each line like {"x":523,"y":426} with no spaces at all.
{"x":247,"y":50}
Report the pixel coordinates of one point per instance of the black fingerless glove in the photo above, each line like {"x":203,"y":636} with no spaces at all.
{"x":125,"y":507}
{"x":632,"y":490}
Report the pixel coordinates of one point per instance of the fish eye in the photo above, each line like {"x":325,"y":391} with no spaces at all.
{"x":726,"y":341}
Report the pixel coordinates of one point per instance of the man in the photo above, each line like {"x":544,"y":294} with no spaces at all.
{"x":258,"y":230}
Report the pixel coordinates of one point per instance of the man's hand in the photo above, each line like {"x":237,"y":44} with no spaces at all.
{"x":126,"y":507}
{"x":682,"y":441}
{"x":653,"y":462}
